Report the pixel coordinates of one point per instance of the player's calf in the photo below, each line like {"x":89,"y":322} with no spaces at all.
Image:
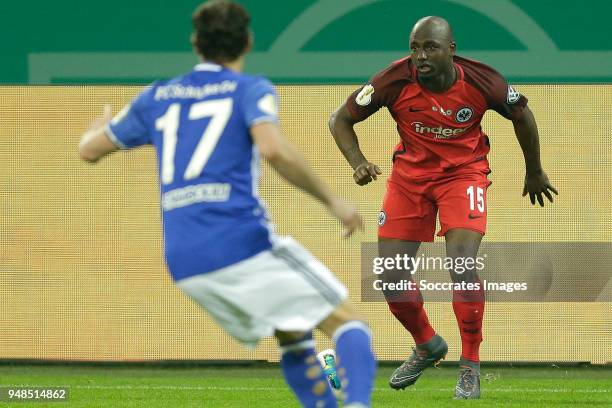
{"x":356,"y":363}
{"x":302,"y":370}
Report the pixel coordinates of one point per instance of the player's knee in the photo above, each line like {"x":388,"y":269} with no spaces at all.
{"x":462,"y":242}
{"x":461,"y":250}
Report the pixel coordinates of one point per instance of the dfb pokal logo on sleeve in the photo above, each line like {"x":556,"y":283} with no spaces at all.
{"x":365,"y":95}
{"x":513,"y":96}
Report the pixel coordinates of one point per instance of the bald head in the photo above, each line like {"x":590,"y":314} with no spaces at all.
{"x":433,"y":48}
{"x":433,"y":27}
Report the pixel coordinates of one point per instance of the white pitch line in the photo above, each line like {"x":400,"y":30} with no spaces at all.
{"x":215,"y":388}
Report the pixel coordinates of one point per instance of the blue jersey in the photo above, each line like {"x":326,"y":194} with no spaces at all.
{"x":208,"y":166}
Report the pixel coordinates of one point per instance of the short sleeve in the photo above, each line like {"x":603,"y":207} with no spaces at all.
{"x":507,"y":101}
{"x":260,"y":103}
{"x":129,"y":127}
{"x":382,"y":90}
{"x":500,"y":96}
{"x":503,"y":98}
{"x":368,"y":99}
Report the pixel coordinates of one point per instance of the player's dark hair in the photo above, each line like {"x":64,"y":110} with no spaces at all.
{"x":221,"y":30}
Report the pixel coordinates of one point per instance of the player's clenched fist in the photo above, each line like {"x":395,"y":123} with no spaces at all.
{"x":366,"y":172}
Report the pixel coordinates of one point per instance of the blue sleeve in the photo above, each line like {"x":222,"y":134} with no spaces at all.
{"x":129,"y":128}
{"x":260,"y":103}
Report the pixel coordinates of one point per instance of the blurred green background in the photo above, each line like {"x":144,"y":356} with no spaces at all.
{"x":301,"y":41}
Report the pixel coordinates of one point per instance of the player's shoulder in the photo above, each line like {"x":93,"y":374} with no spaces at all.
{"x":159,"y":90}
{"x":192,"y":85}
{"x":386,"y":85}
{"x":245,"y":83}
{"x":475,"y":69}
{"x":144,"y":99}
{"x":254,"y":82}
{"x":256,"y":90}
{"x":484,"y":78}
{"x":397,"y":71}
{"x":492,"y":86}
{"x":382,"y":89}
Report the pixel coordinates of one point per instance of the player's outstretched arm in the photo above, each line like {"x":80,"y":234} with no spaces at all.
{"x":536,"y":180}
{"x":292,"y":165}
{"x":341,"y":126}
{"x":95,"y":143}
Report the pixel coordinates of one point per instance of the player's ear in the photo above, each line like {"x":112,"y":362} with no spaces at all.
{"x":453,"y":48}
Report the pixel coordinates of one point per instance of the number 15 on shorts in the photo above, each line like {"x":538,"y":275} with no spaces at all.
{"x":476,"y":200}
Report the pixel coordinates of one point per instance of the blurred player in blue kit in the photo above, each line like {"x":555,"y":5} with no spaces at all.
{"x":209,"y":128}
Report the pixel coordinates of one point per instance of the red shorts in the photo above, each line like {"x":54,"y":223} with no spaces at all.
{"x":410,"y":207}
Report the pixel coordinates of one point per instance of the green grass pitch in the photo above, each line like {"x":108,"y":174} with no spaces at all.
{"x":222,"y":386}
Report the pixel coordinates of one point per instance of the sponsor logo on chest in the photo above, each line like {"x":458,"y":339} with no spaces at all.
{"x":445,"y":130}
{"x":437,"y":132}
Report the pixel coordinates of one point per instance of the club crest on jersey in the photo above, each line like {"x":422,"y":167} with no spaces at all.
{"x":513,"y":96}
{"x":365,"y":95}
{"x":464,"y":114}
{"x":382,"y":218}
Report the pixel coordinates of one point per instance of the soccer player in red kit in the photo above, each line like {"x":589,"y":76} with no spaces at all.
{"x":440,"y":167}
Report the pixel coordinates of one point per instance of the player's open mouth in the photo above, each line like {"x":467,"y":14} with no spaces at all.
{"x":424,"y":68}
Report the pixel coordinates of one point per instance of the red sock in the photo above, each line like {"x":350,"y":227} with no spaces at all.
{"x":469,"y":311}
{"x":408,"y":309}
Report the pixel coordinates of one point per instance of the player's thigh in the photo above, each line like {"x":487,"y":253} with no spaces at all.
{"x":407,"y":213}
{"x":314,"y":293}
{"x":285,"y":289}
{"x":462,"y":203}
{"x":224,"y":302}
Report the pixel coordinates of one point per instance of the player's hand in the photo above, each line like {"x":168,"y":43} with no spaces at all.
{"x":537,"y":184}
{"x":366,"y":172}
{"x":347,"y":215}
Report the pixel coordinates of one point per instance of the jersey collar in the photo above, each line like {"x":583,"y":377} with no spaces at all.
{"x":208,"y":66}
{"x":413,"y":71}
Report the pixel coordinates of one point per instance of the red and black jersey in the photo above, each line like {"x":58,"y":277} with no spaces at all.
{"x":440,"y":132}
